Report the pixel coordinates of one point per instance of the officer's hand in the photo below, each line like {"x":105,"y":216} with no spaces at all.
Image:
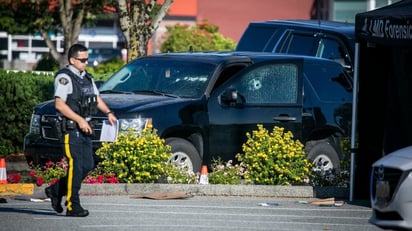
{"x":112,"y":118}
{"x":85,"y":127}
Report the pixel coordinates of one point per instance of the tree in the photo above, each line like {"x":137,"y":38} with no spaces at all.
{"x":139,"y":19}
{"x":49,"y":16}
{"x":202,"y":37}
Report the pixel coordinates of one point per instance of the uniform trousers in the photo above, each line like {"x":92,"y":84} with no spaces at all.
{"x":78,"y":150}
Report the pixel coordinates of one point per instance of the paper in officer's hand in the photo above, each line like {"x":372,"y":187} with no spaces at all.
{"x":109,"y":132}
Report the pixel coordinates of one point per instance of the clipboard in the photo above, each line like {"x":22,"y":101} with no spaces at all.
{"x":109,"y":132}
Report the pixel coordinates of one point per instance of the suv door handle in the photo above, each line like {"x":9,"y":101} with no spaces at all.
{"x":284,"y":118}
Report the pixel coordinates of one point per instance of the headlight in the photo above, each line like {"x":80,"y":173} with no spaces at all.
{"x":137,"y":124}
{"x":35,"y":124}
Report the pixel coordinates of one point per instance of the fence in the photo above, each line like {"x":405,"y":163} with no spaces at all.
{"x":21,"y":52}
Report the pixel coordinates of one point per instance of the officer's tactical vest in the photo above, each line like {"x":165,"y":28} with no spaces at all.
{"x":82,"y":100}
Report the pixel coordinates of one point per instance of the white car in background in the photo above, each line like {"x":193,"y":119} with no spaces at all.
{"x":391,"y":190}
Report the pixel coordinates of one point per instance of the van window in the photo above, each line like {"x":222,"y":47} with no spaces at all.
{"x":300,"y":44}
{"x":257,"y":39}
{"x":334,"y":50}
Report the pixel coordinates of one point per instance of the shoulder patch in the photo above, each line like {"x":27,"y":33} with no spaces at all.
{"x":63,"y":81}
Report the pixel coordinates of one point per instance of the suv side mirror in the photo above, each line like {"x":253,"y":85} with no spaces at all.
{"x":231,"y":97}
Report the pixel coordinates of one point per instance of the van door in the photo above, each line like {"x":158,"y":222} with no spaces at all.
{"x":267,"y":93}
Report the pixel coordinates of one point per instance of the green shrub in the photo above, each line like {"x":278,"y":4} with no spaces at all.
{"x":141,"y":158}
{"x":175,"y":175}
{"x":47,"y":63}
{"x":225,"y":172}
{"x":333,"y":177}
{"x":50,"y":173}
{"x":274,"y":158}
{"x":20,"y":92}
{"x":202,"y":37}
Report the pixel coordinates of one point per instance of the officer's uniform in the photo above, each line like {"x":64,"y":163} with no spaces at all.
{"x":80,"y":94}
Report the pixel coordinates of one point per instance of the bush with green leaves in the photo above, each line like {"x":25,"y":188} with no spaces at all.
{"x":274,"y":158}
{"x":202,"y":37}
{"x":20,"y":92}
{"x":141,"y":158}
{"x":225,"y":172}
{"x":333,"y":177}
{"x":47,"y":63}
{"x":330,"y":177}
{"x":179,"y":175}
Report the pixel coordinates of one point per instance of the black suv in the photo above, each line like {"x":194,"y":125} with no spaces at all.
{"x":203,"y":104}
{"x":320,"y":38}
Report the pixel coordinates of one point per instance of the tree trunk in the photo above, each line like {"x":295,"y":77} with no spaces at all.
{"x":138,"y":23}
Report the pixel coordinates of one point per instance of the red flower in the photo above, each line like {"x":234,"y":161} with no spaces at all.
{"x":111,"y":179}
{"x":53,"y":182}
{"x":32,"y":173}
{"x":13,"y":178}
{"x":91,"y":180}
{"x":100,"y":179}
{"x":49,"y":164}
{"x":39,"y":181}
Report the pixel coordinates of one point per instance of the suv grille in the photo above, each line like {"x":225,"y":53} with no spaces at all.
{"x":49,"y":127}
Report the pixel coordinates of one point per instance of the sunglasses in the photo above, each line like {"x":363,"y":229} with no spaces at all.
{"x":82,"y":60}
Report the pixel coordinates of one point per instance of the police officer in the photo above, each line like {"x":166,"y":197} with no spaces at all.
{"x":76,"y":99}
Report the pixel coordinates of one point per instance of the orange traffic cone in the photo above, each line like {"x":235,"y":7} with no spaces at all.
{"x":204,"y":179}
{"x":3,"y":171}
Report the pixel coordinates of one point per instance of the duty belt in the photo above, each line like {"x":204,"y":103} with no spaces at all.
{"x":71,"y":124}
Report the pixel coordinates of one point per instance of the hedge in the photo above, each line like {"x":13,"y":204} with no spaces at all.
{"x":21,"y":91}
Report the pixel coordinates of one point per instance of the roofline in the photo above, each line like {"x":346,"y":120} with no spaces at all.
{"x":239,"y":54}
{"x":312,"y":24}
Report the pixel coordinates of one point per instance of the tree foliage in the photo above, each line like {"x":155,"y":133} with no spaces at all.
{"x":202,"y":37}
{"x":47,"y":17}
{"x":139,"y":19}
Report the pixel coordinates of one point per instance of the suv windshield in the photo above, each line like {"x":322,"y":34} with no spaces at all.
{"x":161,"y":76}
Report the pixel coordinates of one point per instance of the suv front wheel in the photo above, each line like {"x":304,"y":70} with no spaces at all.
{"x":324,"y":157}
{"x":184,"y":154}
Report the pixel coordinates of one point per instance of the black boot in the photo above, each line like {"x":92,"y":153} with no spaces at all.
{"x":79,"y":212}
{"x":55,"y":199}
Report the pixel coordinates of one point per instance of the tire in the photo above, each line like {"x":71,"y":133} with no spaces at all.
{"x":184,"y":154}
{"x":324,"y":157}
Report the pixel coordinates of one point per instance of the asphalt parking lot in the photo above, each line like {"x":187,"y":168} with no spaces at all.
{"x":207,"y":207}
{"x":192,"y":213}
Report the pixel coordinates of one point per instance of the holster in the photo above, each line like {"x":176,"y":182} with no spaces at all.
{"x":67,"y":124}
{"x":58,"y":126}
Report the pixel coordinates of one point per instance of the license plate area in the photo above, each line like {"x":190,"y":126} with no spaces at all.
{"x":383,"y":189}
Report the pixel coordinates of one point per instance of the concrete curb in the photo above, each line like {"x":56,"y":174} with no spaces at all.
{"x":206,"y":190}
{"x":213,"y":190}
{"x":190,"y":189}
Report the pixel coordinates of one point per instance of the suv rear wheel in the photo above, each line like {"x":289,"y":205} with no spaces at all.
{"x":324,"y":157}
{"x":184,"y":154}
